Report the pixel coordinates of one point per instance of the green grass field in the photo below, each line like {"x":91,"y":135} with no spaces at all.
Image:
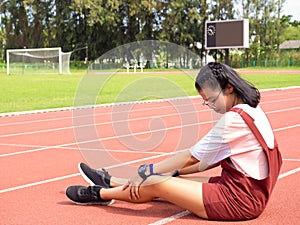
{"x":31,"y":92}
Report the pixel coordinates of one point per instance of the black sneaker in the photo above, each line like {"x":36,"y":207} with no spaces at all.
{"x":94,"y":177}
{"x":86,"y":195}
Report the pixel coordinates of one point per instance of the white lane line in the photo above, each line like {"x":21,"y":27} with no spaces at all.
{"x":280,"y":100}
{"x":77,"y":149}
{"x":38,"y":183}
{"x":285,"y":128}
{"x":97,"y":124}
{"x":77,"y":174}
{"x":292,"y":160}
{"x":186,"y":212}
{"x":105,"y":139}
{"x":282,"y":110}
{"x":288,"y":173}
{"x":115,"y":112}
{"x":80,"y":149}
{"x":171,"y":218}
{"x":121,"y":136}
{"x":121,"y":121}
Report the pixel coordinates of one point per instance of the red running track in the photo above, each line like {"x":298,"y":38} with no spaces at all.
{"x":39,"y":153}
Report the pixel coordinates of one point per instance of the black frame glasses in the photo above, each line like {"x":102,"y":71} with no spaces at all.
{"x":211,"y":104}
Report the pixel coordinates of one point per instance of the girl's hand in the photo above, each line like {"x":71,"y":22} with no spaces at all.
{"x":134,"y":187}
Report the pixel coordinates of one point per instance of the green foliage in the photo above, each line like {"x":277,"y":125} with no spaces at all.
{"x":106,"y":24}
{"x":291,"y":33}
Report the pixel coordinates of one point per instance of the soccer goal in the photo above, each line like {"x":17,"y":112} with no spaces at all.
{"x":38,"y":60}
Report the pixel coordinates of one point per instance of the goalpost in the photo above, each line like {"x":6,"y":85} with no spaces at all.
{"x":38,"y":60}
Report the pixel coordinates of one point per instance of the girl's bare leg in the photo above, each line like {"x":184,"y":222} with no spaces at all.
{"x":116,"y":182}
{"x":184,"y":193}
{"x":196,"y":178}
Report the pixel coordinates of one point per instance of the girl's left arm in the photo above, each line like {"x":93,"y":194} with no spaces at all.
{"x":196,"y":168}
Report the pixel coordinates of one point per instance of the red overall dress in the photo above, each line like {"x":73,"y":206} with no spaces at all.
{"x":234,"y":196}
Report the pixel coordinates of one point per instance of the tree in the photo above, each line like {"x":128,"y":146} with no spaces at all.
{"x":106,"y":24}
{"x":289,"y":29}
{"x":41,"y":14}
{"x":15,"y":21}
{"x":265,"y":27}
{"x":181,"y":22}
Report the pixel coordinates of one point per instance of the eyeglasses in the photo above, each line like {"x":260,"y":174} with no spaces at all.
{"x":211,"y":103}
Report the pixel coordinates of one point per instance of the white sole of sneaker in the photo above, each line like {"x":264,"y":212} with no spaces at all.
{"x":95,"y":203}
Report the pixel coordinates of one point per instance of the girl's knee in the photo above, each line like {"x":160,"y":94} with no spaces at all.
{"x":155,"y":181}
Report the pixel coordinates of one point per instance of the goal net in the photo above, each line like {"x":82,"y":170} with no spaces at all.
{"x":38,"y":61}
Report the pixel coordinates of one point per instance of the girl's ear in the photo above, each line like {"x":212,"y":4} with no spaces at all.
{"x":229,"y":89}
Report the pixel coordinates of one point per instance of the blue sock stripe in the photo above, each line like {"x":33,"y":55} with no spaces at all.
{"x":151,"y":169}
{"x":175,"y":174}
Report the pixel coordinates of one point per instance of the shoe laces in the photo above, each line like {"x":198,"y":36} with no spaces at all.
{"x":89,"y":191}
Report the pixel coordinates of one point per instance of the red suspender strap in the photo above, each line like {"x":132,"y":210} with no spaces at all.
{"x":250,"y":122}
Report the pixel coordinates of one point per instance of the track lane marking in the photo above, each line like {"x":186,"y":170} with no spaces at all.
{"x":98,"y":124}
{"x":121,"y":121}
{"x":122,"y":136}
{"x":99,"y":114}
{"x":77,"y":174}
{"x":172,"y":218}
{"x":105,"y":139}
{"x":285,"y":128}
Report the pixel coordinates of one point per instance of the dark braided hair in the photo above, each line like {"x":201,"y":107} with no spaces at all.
{"x":216,"y":74}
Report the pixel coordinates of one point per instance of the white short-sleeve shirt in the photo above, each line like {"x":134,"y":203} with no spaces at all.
{"x":231,"y":137}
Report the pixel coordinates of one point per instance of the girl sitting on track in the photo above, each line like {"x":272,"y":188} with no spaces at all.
{"x":241,"y":142}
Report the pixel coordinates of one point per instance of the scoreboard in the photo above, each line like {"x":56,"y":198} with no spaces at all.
{"x":223,"y":34}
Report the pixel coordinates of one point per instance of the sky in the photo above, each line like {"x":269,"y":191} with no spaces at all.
{"x":292,"y":7}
